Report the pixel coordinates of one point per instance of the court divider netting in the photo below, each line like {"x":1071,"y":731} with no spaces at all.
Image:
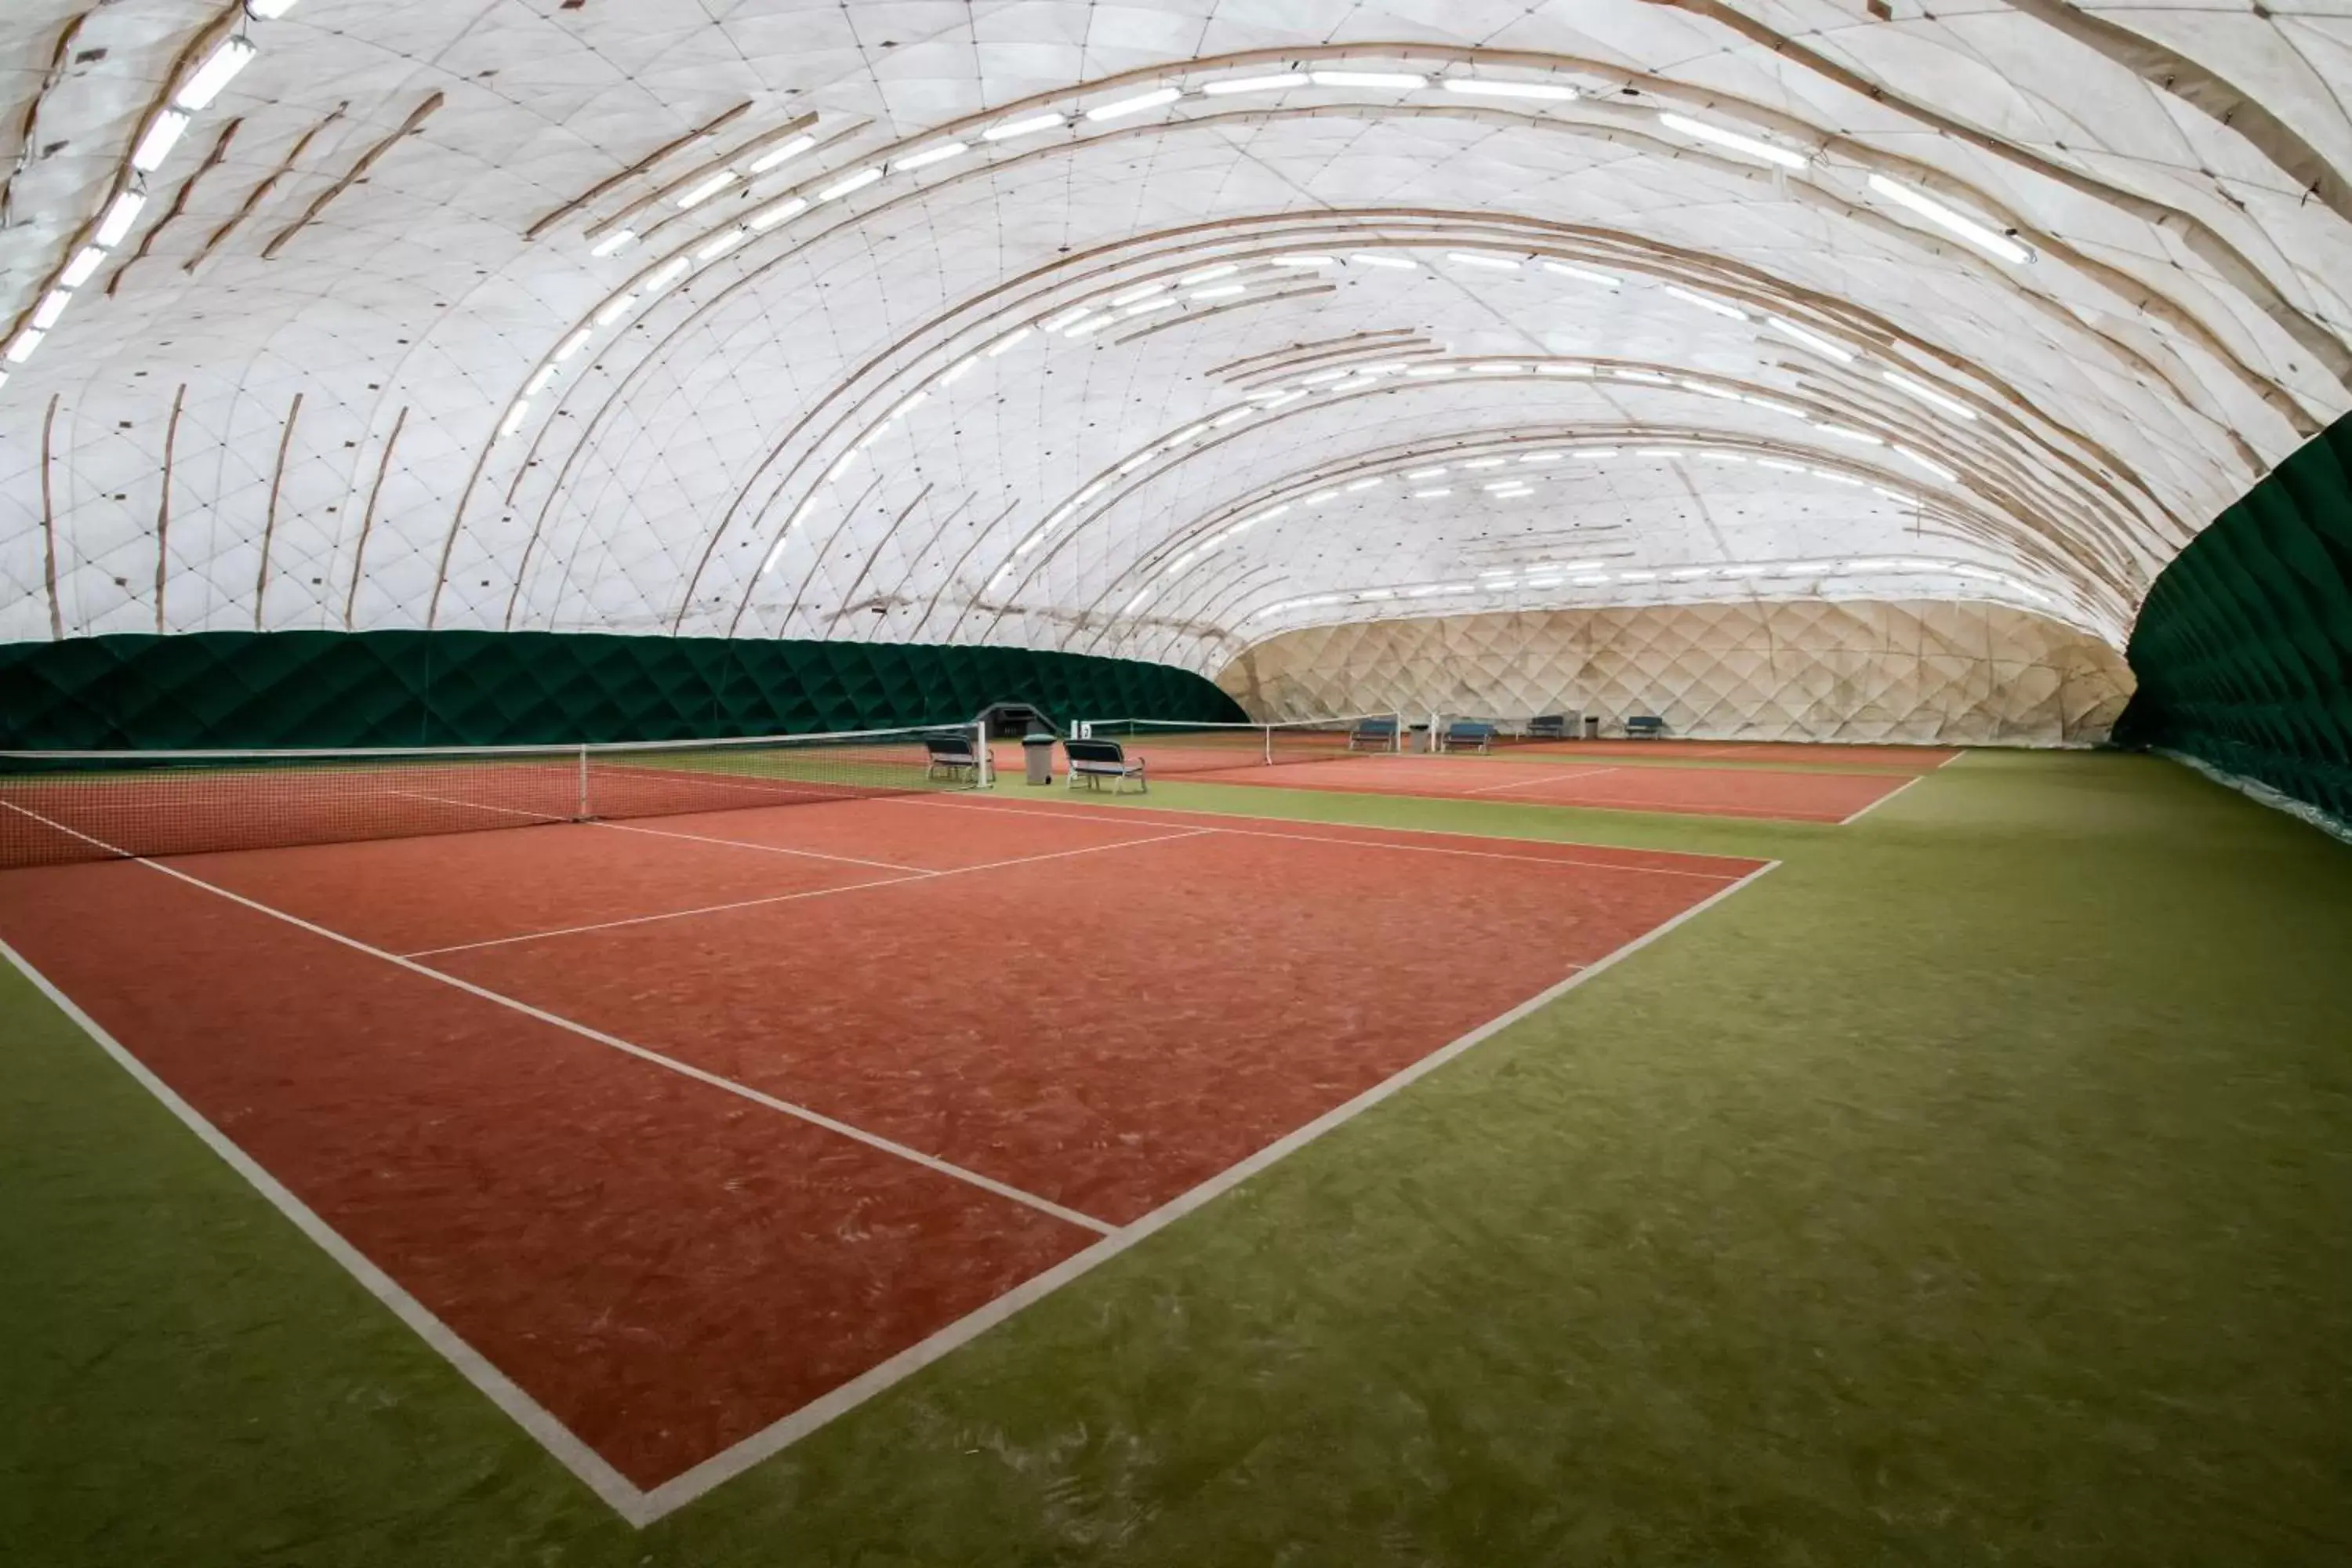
{"x":58,"y":806}
{"x":1182,"y":746}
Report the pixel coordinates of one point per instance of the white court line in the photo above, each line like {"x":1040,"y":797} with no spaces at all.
{"x":911,"y":874}
{"x":1109,"y":818}
{"x":618,"y":1492}
{"x":1544,"y":778}
{"x":640,"y":1507}
{"x":643,"y":1053}
{"x":632,"y":828}
{"x":733,"y":1461}
{"x":1883,"y":799}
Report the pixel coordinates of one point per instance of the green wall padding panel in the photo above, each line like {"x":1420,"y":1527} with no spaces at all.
{"x":421,"y":689}
{"x":2244,"y":649}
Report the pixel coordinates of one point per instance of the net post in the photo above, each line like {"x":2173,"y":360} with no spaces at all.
{"x":1268,"y":738}
{"x":1396,"y":736}
{"x":983,"y":771}
{"x":584,"y":783}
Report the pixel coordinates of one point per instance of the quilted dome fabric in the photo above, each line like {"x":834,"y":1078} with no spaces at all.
{"x":1152,"y":330}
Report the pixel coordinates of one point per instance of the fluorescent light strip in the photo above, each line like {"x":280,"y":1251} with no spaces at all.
{"x":667,"y":273}
{"x":774,"y":212}
{"x":1367,"y":259}
{"x":1781,"y":465}
{"x":1837,"y":478}
{"x":1190,"y":432}
{"x":1811,"y":339}
{"x":1475,"y":463}
{"x":1145,"y":308}
{"x":857,"y":182}
{"x":1231,"y":417}
{"x":1497,"y":369}
{"x":1769,"y":406}
{"x":1967,"y":228}
{"x":695,"y":194}
{"x":515,"y":416}
{"x":53,"y":305}
{"x":1475,"y":258}
{"x":1754,"y":147}
{"x":1846,"y":433}
{"x":1027,"y":125}
{"x":162,"y":137}
{"x":1579,"y":274}
{"x":931,"y":156}
{"x":1429,"y":371}
{"x":618,"y":240}
{"x":1926,"y":393}
{"x":613,"y":310}
{"x":118,"y":218}
{"x":205,"y":82}
{"x":1646,"y":377}
{"x":1141,"y":291}
{"x":1707,"y":389}
{"x":1556,"y":369}
{"x":1075,"y":314}
{"x":1436,"y":473}
{"x":1369,"y":79}
{"x":1477,"y":86}
{"x":1430,"y":495}
{"x":1320,"y":497}
{"x":1927,"y":463}
{"x":83,"y":267}
{"x":1222,"y":291}
{"x":1209,"y":274}
{"x":783,"y":153}
{"x":1355,"y":484}
{"x":1008,"y":341}
{"x":1120,"y":108}
{"x":573,"y":345}
{"x":1309,"y":261}
{"x":1701,"y":300}
{"x":1233,"y":84}
{"x":538,"y":384}
{"x":723,"y":243}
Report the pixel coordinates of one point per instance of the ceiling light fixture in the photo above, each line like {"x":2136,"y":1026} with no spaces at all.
{"x":1581,"y":274}
{"x":1253,"y":84}
{"x":1477,"y":86}
{"x":1430,"y":495}
{"x":1120,"y":108}
{"x":162,"y":136}
{"x":723,"y":243}
{"x":1008,"y":339}
{"x":1209,"y":274}
{"x":774,"y":212}
{"x":1027,"y":125}
{"x":613,"y":308}
{"x":538,"y":384}
{"x":613,"y":241}
{"x":857,"y":182}
{"x":1476,"y":258}
{"x":1564,"y":369}
{"x":515,"y":416}
{"x":205,"y":82}
{"x":1811,"y":339}
{"x":573,"y":345}
{"x":1754,"y":147}
{"x":1927,"y":463}
{"x":667,"y":273}
{"x":119,"y":216}
{"x":931,"y":156}
{"x":85,"y":265}
{"x":1223,"y":291}
{"x":1306,"y":261}
{"x":1367,"y":258}
{"x":783,"y":153}
{"x":702,"y":191}
{"x":53,"y":305}
{"x":1701,"y":300}
{"x":1978,"y":235}
{"x":1926,"y":393}
{"x":1846,"y":433}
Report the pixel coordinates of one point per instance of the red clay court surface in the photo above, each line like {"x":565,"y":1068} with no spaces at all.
{"x":1601,"y":785}
{"x":682,"y":1128}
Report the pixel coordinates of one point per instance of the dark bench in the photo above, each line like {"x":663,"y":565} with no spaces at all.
{"x":1644,"y":725}
{"x":951,"y":753}
{"x":1095,"y":761}
{"x":1547,"y":727}
{"x":1373,"y":734}
{"x":1468,"y":735}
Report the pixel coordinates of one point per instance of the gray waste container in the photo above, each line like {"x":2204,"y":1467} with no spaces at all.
{"x":1037,"y":755}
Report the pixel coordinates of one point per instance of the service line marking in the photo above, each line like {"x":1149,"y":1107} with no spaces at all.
{"x":1542,"y":779}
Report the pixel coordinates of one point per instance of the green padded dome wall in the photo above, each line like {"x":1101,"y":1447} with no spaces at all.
{"x":2244,"y":649}
{"x":413,"y":688}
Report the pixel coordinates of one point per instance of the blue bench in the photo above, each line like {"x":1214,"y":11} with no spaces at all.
{"x":1095,"y":761}
{"x":1373,"y":734}
{"x":1648,"y":726}
{"x":1547,"y":727}
{"x":1468,"y":735}
{"x":950,"y":754}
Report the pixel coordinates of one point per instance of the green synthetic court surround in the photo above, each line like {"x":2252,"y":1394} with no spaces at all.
{"x":435,"y":689}
{"x":2244,"y":650}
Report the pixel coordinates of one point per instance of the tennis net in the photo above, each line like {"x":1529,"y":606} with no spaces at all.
{"x":1178,"y":746}
{"x":58,"y":806}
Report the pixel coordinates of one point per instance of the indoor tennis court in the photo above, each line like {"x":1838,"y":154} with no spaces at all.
{"x":1167,"y":783}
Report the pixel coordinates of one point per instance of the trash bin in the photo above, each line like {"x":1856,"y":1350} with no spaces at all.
{"x":1037,"y":756}
{"x":1592,"y":726}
